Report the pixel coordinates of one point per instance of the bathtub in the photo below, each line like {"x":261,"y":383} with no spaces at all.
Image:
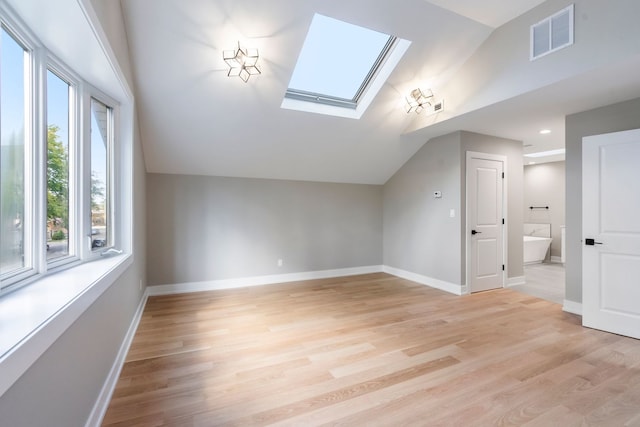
{"x":535,"y":249}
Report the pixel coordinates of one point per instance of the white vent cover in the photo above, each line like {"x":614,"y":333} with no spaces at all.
{"x":552,"y":33}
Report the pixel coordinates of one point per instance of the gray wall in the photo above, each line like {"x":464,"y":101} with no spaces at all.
{"x":210,"y":228}
{"x":513,"y":151}
{"x":419,"y":235}
{"x":612,"y":118}
{"x":544,"y":186}
{"x":61,"y":387}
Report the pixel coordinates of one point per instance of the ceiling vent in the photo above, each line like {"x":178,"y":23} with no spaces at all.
{"x":552,"y":33}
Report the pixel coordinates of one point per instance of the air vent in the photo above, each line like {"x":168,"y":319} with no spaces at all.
{"x":552,"y":33}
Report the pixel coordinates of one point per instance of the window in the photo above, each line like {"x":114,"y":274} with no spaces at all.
{"x":101,"y":135}
{"x":56,"y":183}
{"x":342,"y":65}
{"x":58,"y":221}
{"x":15,"y":191}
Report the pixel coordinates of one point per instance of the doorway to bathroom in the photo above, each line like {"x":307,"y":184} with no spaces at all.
{"x":544,"y":212}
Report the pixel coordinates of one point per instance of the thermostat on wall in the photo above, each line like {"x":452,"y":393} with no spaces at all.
{"x":437,"y":194}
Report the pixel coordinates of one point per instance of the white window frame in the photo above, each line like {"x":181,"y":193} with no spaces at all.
{"x":36,"y":264}
{"x":87,"y":252}
{"x":54,"y":302}
{"x":75,"y":163}
{"x":31,"y":265}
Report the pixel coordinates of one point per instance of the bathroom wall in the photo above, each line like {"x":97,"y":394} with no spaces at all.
{"x":544,"y":186}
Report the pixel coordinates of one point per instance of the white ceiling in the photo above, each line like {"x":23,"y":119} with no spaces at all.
{"x":493,"y":13}
{"x":196,"y":120}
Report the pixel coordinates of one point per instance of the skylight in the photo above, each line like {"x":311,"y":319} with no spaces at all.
{"x":341,"y":65}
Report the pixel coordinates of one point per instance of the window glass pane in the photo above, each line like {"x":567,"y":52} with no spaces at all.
{"x":336,"y":58}
{"x":13,"y":94}
{"x":57,"y":167}
{"x":101,"y":131}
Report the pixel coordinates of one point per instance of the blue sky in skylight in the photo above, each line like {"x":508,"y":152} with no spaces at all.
{"x":336,"y":57}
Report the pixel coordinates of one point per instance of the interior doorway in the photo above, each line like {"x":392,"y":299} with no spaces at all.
{"x":485,"y":189}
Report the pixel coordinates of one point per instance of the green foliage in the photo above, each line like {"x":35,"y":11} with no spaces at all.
{"x":57,"y":178}
{"x":97,"y":193}
{"x":58,"y":235}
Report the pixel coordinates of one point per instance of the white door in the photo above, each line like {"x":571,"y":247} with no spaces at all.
{"x":611,"y":232}
{"x":485,"y":183}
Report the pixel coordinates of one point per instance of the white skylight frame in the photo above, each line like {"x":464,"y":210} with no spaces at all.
{"x":314,"y":102}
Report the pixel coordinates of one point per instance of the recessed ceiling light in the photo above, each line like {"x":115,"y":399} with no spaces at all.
{"x":532,"y":163}
{"x":545,"y":131}
{"x":546,"y":153}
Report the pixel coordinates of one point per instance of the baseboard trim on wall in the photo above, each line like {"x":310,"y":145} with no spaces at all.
{"x":556,"y":259}
{"x":102,"y":403}
{"x":214,"y":285}
{"x":517,"y":280}
{"x":572,"y":307}
{"x":452,"y":288}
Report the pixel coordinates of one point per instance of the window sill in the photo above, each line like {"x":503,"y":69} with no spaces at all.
{"x":32,"y":318}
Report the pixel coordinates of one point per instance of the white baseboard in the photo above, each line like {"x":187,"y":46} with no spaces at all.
{"x":517,"y":280}
{"x":572,"y":307}
{"x":556,"y":259}
{"x":102,"y":403}
{"x":213,"y":285}
{"x":452,"y":288}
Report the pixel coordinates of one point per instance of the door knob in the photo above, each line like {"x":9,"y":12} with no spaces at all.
{"x":474,"y":232}
{"x":591,"y":242}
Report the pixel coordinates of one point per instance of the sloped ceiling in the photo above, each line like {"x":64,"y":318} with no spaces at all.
{"x":196,"y":120}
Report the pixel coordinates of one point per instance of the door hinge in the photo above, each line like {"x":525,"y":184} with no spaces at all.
{"x":502,"y":175}
{"x":502,"y":267}
{"x":502,"y":221}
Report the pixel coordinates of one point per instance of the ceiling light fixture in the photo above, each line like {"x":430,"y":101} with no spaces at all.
{"x":242,"y":62}
{"x":418,"y":100}
{"x":545,"y":132}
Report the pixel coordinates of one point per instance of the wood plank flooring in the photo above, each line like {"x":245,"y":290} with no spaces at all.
{"x":372,"y":350}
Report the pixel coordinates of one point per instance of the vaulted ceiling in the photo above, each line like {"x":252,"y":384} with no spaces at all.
{"x":196,"y":120}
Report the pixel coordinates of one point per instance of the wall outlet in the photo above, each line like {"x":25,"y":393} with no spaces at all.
{"x":452,"y":213}
{"x":279,"y":262}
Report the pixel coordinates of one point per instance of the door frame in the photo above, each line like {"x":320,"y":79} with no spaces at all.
{"x":592,"y":292}
{"x":467,"y":227}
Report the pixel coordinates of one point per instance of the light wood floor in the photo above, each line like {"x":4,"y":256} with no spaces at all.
{"x":372,"y":350}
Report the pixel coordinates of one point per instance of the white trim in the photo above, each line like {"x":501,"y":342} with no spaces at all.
{"x":102,"y":403}
{"x":505,"y":214}
{"x":514,"y":281}
{"x":556,"y":259}
{"x":242,"y":282}
{"x":572,"y":307}
{"x":452,"y":288}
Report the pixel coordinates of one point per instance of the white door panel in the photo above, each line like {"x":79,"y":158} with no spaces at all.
{"x":485,"y":196}
{"x":611,"y":232}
